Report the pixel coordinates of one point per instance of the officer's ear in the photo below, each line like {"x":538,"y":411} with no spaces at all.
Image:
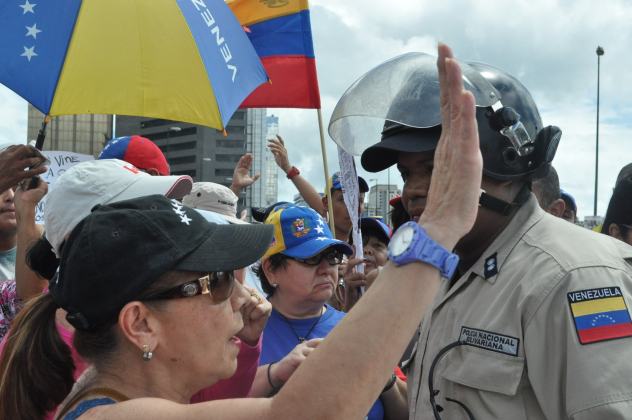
{"x":557,"y":208}
{"x":615,"y":231}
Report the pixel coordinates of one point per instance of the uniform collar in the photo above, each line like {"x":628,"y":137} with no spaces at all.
{"x":492,"y":260}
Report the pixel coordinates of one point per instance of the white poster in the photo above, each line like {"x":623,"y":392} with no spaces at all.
{"x":351,"y":194}
{"x":59,"y":162}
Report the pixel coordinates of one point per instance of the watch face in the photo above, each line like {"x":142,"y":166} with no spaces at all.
{"x":402,"y":239}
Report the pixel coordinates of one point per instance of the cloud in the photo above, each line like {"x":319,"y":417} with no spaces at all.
{"x":548,"y":44}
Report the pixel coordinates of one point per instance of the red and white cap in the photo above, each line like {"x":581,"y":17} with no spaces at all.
{"x":75,"y":193}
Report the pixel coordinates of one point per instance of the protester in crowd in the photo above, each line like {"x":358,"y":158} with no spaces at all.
{"x":625,"y":172}
{"x":375,"y":238}
{"x":618,"y":220}
{"x":24,"y":284}
{"x":147,"y":156}
{"x":85,"y":184}
{"x":342,"y":221}
{"x":547,"y":192}
{"x":20,"y":162}
{"x":525,"y":325}
{"x":570,"y":207}
{"x":167,"y":349}
{"x":8,"y":235}
{"x":299,"y":273}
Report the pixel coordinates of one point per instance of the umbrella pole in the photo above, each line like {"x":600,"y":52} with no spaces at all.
{"x":330,"y":208}
{"x":39,"y":144}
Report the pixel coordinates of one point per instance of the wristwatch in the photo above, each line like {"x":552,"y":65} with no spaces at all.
{"x":411,"y":243}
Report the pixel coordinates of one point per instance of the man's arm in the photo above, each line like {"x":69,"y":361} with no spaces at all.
{"x":28,"y":283}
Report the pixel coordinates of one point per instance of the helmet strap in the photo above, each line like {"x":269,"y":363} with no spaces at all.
{"x":501,"y":206}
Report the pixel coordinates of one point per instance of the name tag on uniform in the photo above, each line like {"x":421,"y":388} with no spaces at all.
{"x":600,"y":314}
{"x":490,"y":340}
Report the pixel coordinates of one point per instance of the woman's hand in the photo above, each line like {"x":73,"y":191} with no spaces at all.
{"x":284,"y":368}
{"x":255,"y":313}
{"x":452,"y":202}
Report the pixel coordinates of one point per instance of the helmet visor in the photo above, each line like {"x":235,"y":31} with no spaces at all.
{"x":405,"y":90}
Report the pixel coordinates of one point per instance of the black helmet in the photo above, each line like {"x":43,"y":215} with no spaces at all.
{"x":513,"y":142}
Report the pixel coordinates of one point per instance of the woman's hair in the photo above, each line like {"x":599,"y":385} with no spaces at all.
{"x":277,"y":261}
{"x":36,"y":366}
{"x":41,"y":258}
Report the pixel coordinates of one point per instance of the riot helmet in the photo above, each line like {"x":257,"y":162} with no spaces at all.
{"x":400,"y":99}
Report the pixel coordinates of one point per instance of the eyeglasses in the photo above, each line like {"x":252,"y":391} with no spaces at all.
{"x":333,"y":258}
{"x":217,"y":285}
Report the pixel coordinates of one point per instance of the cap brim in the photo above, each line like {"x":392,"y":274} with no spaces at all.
{"x":386,"y":153}
{"x":169,"y":186}
{"x":229,"y":247}
{"x":313,"y":247}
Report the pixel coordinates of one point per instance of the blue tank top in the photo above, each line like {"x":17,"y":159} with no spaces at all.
{"x":86,"y":405}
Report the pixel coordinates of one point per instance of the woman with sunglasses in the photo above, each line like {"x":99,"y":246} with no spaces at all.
{"x":151,"y":354}
{"x":299,"y":273}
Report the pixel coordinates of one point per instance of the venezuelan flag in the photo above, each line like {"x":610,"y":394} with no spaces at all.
{"x":280,"y":31}
{"x":600,"y":314}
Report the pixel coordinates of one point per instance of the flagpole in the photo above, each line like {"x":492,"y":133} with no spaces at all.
{"x":330,"y":208}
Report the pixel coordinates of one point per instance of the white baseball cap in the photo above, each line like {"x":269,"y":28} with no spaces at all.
{"x":215,"y":198}
{"x":87,"y":184}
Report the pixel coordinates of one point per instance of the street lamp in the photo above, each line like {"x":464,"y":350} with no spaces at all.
{"x":600,"y":51}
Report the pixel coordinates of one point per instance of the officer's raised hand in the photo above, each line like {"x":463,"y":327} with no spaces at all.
{"x":452,"y":202}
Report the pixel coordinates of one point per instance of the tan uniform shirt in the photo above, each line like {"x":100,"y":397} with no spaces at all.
{"x":545,"y":312}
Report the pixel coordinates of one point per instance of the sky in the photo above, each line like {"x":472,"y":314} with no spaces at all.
{"x":549,"y":45}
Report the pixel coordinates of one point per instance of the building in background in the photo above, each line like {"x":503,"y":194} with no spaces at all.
{"x":72,"y":133}
{"x":379,"y":196}
{"x":206,"y":154}
{"x":591,"y":222}
{"x":270,"y":177}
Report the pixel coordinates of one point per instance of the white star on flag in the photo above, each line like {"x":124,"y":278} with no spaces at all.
{"x":319,"y":229}
{"x":184,"y":219}
{"x":28,"y":7}
{"x":29,"y":53}
{"x":321,"y":238}
{"x":32,"y":31}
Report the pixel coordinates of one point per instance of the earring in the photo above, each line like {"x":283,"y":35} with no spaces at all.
{"x":147,"y":354}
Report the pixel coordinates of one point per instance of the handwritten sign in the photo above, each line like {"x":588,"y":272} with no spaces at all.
{"x":60,"y":162}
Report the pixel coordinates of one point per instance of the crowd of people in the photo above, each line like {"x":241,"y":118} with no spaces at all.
{"x":146,"y":295}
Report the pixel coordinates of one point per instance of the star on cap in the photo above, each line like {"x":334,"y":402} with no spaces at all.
{"x":319,"y":229}
{"x":29,"y":53}
{"x":28,"y":7}
{"x":32,"y":31}
{"x":321,"y":238}
{"x":185,"y":219}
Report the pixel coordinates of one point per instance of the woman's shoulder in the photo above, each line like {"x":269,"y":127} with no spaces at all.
{"x":86,"y":405}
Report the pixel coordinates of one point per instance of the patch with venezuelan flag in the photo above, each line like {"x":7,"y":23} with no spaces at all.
{"x":600,"y":314}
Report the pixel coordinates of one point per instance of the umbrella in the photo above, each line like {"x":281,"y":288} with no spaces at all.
{"x":183,"y":60}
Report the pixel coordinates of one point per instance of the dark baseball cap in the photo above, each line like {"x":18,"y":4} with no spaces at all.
{"x":260,"y":214}
{"x":397,"y":138}
{"x":120,"y":249}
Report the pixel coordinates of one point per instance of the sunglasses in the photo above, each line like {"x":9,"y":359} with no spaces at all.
{"x":333,"y":258}
{"x":217,"y":285}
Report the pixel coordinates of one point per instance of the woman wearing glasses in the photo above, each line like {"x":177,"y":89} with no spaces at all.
{"x":299,"y":273}
{"x":147,"y":286}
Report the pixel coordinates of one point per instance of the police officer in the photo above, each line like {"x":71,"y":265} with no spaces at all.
{"x":535,"y":323}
